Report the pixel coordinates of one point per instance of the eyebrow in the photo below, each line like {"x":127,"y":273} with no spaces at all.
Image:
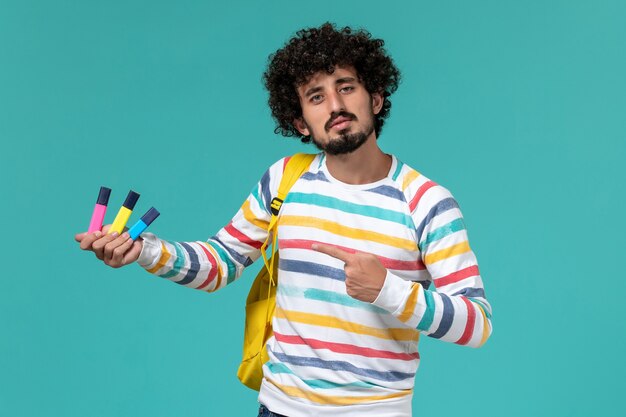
{"x":312,"y":90}
{"x":319,"y":88}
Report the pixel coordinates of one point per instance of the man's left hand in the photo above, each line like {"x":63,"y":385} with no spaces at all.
{"x":365,"y":275}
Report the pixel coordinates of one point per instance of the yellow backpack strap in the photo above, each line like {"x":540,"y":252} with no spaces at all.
{"x":296,"y":166}
{"x":294,"y":169}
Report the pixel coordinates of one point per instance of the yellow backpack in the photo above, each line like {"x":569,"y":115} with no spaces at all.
{"x":261,"y":300}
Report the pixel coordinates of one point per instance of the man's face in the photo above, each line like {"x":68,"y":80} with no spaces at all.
{"x":337,"y":111}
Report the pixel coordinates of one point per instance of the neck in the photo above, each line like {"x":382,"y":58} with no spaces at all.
{"x":366,"y":165}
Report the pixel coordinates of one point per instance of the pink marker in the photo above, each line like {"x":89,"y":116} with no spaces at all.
{"x":99,"y":211}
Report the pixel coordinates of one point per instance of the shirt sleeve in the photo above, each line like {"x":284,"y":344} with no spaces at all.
{"x":456,"y":310}
{"x":213,"y":264}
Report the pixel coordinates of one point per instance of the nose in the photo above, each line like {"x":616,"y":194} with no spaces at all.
{"x":335,"y":102}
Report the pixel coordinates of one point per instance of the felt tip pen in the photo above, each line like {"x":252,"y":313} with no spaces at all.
{"x":100,"y":210}
{"x":124,"y":214}
{"x":143,"y":223}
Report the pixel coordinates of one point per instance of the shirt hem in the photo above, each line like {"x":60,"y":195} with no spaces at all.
{"x":275,"y":400}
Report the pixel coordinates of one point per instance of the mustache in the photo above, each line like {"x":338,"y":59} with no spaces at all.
{"x":335,"y":115}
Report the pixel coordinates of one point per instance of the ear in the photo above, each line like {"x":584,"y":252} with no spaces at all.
{"x":301,"y":126}
{"x":377,"y":102}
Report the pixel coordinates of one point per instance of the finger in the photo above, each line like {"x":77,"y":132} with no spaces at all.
{"x":99,"y":245}
{"x":112,"y":245}
{"x":133,"y":254}
{"x":106,"y":227}
{"x":80,"y":236}
{"x":120,"y":251}
{"x":88,"y":240}
{"x":332,"y":251}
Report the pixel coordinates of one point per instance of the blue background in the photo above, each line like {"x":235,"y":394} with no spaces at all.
{"x":517,"y":107}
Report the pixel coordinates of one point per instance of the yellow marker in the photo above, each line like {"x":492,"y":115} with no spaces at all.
{"x":124,"y":214}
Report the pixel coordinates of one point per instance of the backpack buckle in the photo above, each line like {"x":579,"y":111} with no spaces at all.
{"x":276,"y":205}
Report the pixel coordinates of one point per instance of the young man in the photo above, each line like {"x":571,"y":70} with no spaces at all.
{"x":361,"y":238}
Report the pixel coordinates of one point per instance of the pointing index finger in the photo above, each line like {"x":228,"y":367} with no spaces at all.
{"x":332,"y":251}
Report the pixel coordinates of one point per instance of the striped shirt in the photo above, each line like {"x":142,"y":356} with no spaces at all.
{"x":330,"y":350}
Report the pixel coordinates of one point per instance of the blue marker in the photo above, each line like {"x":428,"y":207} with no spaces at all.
{"x":143,"y":223}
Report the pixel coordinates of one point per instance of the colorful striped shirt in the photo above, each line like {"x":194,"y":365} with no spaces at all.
{"x":330,"y":350}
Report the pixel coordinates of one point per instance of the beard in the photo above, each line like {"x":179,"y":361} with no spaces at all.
{"x":346,"y":142}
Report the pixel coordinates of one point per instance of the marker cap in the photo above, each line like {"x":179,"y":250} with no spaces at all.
{"x":131,"y":200}
{"x":150,"y":216}
{"x":103,"y":196}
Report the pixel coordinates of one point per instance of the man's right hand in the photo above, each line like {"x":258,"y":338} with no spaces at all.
{"x":115,"y":251}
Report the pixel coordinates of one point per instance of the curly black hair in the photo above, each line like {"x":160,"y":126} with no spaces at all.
{"x":322,"y":49}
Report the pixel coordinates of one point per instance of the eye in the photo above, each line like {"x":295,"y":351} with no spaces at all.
{"x":346,"y":89}
{"x":317,"y":98}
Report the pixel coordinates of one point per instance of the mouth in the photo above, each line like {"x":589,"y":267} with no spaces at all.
{"x":340,"y":123}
